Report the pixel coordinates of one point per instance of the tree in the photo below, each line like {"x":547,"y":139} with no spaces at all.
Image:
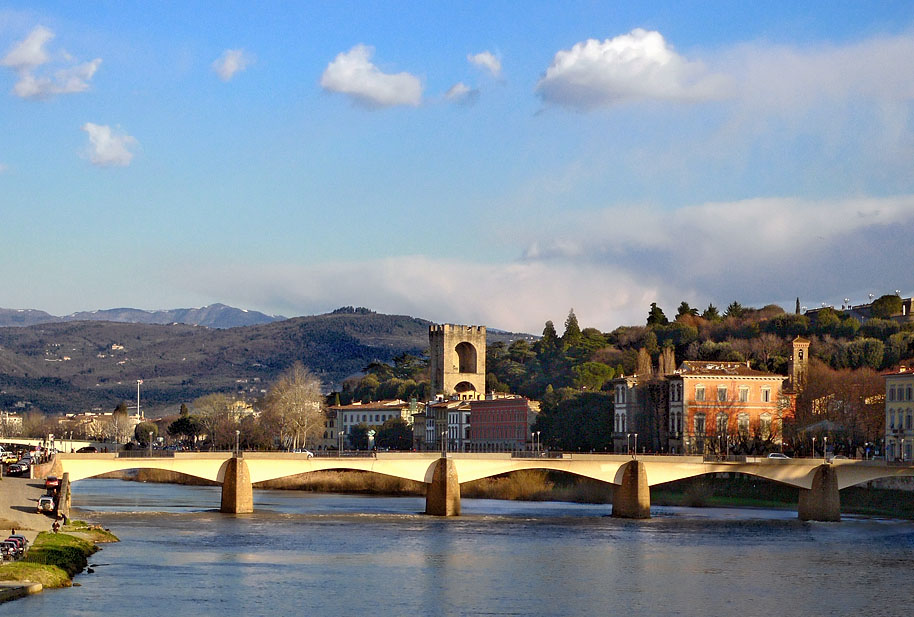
{"x":358,"y":437}
{"x":142,"y":430}
{"x":735,"y":309}
{"x":295,"y":406}
{"x":886,"y":306}
{"x":572,"y":335}
{"x":395,"y":434}
{"x":685,"y":309}
{"x":592,"y":375}
{"x":711,"y":313}
{"x":185,"y":429}
{"x":214,"y":416}
{"x":655,"y":316}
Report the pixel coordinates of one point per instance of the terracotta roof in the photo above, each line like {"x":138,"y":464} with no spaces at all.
{"x":371,"y":405}
{"x":738,"y":369}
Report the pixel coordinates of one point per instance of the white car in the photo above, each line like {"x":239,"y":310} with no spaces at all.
{"x":309,"y":453}
{"x":777,"y":455}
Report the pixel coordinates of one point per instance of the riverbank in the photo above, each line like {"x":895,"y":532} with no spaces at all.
{"x":52,"y":559}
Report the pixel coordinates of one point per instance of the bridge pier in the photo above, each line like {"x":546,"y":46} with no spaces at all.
{"x":632,"y":498}
{"x":822,"y":502}
{"x":237,"y":493}
{"x":442,"y":496}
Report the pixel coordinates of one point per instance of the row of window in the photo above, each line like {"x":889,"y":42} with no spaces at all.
{"x":676,"y":393}
{"x":903,"y":421}
{"x":743,"y":394}
{"x":901,"y":393}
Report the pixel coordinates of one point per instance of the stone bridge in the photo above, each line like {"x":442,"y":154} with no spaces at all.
{"x":818,"y":481}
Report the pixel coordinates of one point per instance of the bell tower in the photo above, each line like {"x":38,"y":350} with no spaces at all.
{"x":798,"y":367}
{"x":457,"y":360}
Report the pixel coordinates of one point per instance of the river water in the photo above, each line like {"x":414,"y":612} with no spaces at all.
{"x":303,"y":554}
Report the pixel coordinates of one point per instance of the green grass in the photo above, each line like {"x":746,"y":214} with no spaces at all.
{"x":55,"y":558}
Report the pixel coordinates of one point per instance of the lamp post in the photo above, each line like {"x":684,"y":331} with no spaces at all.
{"x":539,"y":443}
{"x":532,"y":442}
{"x":628,"y":443}
{"x":444,"y":444}
{"x":813,"y":447}
{"x":138,"y":382}
{"x":339,"y":436}
{"x":636,"y":446}
{"x":824,"y":448}
{"x":150,"y":443}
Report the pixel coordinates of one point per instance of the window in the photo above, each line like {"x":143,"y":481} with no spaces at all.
{"x":743,"y":423}
{"x":892,"y":418}
{"x":891,"y":394}
{"x":765,"y":425}
{"x":766,"y":395}
{"x":743,"y":395}
{"x":721,"y":393}
{"x":699,"y":393}
{"x":909,"y":393}
{"x":700,"y":424}
{"x":722,"y":423}
{"x":907,"y":421}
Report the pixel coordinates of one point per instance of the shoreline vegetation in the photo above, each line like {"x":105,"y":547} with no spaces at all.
{"x":54,"y":559}
{"x":534,"y":485}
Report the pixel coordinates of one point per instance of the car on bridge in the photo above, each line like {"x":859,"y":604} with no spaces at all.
{"x":777,"y":455}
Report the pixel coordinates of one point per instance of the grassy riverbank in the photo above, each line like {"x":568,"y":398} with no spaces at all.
{"x":55,"y":558}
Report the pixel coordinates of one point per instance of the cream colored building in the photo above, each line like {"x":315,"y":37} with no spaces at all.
{"x":899,"y":415}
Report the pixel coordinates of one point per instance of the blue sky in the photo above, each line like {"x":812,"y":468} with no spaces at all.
{"x":472,"y":162}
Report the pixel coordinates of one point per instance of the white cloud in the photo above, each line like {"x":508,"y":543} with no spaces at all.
{"x":30,"y":54}
{"x":486,"y":60}
{"x":630,"y":67}
{"x":755,"y":250}
{"x":352,"y":73}
{"x":509,"y":296}
{"x":230,"y":62}
{"x":107,"y":148}
{"x":642,"y":65}
{"x":462,"y":94}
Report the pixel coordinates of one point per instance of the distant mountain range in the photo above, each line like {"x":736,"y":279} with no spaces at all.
{"x":212,"y":316}
{"x":62,"y":365}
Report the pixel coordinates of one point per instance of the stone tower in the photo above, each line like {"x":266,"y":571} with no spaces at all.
{"x":457,"y":360}
{"x":798,"y":366}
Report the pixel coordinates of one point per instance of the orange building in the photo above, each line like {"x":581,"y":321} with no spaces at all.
{"x":714,"y":404}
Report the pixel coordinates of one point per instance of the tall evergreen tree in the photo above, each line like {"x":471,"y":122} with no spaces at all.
{"x":656,"y":317}
{"x":711,"y":313}
{"x":572,"y":334}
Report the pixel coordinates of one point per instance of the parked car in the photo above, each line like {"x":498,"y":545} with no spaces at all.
{"x":777,"y":455}
{"x":45,"y":504}
{"x":51,"y":482}
{"x":87,"y":449}
{"x":10,"y":550}
{"x":15,"y":469}
{"x":303,"y":451}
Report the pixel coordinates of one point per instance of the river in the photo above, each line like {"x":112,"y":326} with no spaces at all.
{"x":307,"y":554}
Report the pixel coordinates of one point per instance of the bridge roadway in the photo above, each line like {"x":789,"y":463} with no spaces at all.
{"x":818,"y":481}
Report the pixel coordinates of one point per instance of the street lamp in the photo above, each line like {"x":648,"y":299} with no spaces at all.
{"x":628,"y":443}
{"x":444,"y":443}
{"x":237,"y":441}
{"x":636,"y":446}
{"x":824,"y":448}
{"x":150,"y":443}
{"x":339,"y":450}
{"x":538,"y":442}
{"x":138,"y":382}
{"x":813,"y":447}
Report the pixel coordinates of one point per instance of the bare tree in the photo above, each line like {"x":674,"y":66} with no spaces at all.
{"x":213,"y":411}
{"x":294,"y":407}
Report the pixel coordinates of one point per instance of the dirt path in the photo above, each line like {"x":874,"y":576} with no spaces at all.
{"x":18,"y":499}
